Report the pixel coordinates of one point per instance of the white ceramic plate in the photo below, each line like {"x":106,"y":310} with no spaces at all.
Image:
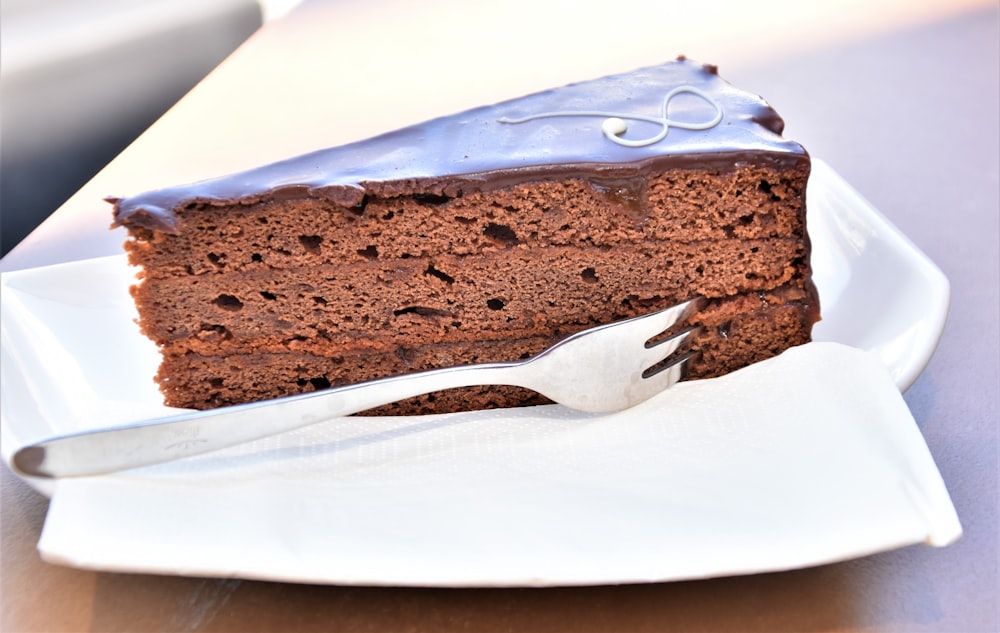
{"x":72,"y":357}
{"x":877,"y":290}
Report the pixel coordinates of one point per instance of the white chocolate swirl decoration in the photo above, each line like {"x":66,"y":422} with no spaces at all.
{"x":615,"y":124}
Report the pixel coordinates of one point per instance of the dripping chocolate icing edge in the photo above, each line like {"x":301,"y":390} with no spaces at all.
{"x":409,"y":160}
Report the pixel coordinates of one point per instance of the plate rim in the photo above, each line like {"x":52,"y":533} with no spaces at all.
{"x":938,"y":299}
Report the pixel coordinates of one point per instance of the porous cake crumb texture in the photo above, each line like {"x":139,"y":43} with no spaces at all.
{"x":261,"y":299}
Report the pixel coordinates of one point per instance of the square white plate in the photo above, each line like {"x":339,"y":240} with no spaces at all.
{"x":72,"y":359}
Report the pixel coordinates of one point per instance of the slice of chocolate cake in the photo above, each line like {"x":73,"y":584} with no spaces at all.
{"x":482,"y":236}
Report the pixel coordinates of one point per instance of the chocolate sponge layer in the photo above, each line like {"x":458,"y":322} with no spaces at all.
{"x":252,"y":301}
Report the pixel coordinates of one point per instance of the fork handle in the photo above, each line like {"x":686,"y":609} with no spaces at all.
{"x":100,"y":451}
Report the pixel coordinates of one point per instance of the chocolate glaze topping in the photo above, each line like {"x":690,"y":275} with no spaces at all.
{"x":554,"y":134}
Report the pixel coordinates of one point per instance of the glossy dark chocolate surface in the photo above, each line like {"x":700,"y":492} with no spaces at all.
{"x":477,"y":150}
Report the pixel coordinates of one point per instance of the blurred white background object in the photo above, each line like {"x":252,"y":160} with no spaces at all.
{"x":80,"y":79}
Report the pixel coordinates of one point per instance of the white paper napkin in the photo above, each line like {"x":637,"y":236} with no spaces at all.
{"x":808,"y":458}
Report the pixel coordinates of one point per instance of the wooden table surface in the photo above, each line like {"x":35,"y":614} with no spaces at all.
{"x":901,"y":98}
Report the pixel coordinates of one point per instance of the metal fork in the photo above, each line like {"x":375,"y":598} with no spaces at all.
{"x":607,"y":368}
